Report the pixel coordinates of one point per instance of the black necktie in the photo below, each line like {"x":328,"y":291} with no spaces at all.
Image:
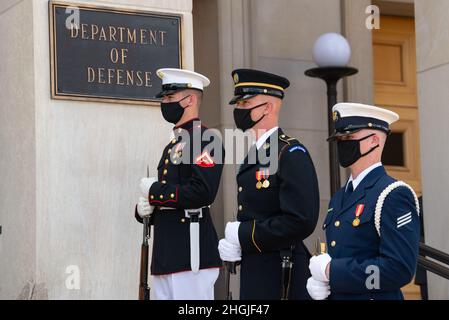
{"x":348,"y":192}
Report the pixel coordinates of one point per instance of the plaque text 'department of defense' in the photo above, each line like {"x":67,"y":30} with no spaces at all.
{"x":108,"y":54}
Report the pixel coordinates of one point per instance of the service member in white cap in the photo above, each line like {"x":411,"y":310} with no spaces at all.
{"x":372,"y":227}
{"x":185,"y":261}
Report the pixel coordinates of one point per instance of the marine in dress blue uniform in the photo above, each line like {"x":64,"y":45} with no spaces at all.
{"x":276,"y":210}
{"x":372,"y":231}
{"x":187,"y":182}
{"x":183,"y":186}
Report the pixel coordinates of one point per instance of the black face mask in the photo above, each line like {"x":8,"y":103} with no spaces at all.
{"x":349,"y":151}
{"x":242,"y":117}
{"x":172,"y":111}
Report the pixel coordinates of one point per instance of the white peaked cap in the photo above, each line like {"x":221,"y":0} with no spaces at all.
{"x":192,"y":79}
{"x":347,"y":109}
{"x":352,"y":117}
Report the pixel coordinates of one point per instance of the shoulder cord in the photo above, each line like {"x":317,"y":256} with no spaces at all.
{"x":383,"y":196}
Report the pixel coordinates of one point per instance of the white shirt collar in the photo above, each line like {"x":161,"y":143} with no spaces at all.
{"x":264,"y":137}
{"x":362,"y":175}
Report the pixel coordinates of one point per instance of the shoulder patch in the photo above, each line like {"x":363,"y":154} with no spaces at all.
{"x":295,"y":148}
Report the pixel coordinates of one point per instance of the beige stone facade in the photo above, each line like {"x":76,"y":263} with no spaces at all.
{"x":70,"y":169}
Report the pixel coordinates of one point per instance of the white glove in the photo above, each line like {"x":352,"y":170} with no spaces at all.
{"x":232,"y":233}
{"x":318,"y":290}
{"x":229,"y":252}
{"x":145,"y":185}
{"x":144,"y":209}
{"x":318,"y":265}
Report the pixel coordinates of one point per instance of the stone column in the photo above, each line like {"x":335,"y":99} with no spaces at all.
{"x":432,"y":41}
{"x":70,"y":170}
{"x":18,"y":148}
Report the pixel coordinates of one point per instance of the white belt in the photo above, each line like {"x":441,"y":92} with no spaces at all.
{"x":194,"y":215}
{"x":169,"y":208}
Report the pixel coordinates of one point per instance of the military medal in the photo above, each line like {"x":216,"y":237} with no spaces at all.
{"x":258,"y":178}
{"x":358,"y":213}
{"x":265,"y":176}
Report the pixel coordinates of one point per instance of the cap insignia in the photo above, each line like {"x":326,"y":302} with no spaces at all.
{"x":236,"y":78}
{"x":335,"y":116}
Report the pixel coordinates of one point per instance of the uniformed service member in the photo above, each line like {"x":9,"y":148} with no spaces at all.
{"x":372,"y":226}
{"x":185,"y":261}
{"x":276,"y":210}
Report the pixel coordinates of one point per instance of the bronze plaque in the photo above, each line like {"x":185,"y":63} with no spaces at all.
{"x":109,"y":54}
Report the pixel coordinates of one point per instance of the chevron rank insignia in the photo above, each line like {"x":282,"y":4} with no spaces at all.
{"x":205,"y":160}
{"x":403,"y":220}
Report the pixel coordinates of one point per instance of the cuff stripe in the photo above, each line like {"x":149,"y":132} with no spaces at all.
{"x":252,"y":236}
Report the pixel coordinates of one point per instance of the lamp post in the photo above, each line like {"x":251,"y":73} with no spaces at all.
{"x":331,"y":53}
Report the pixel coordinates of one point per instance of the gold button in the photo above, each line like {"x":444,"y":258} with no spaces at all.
{"x":165,"y":171}
{"x":166,"y":161}
{"x":169,"y":151}
{"x":164,"y":182}
{"x":333,"y":244}
{"x":172,"y":195}
{"x":175,"y":162}
{"x":283,"y":136}
{"x":151,"y":197}
{"x":240,"y":189}
{"x":240,"y":208}
{"x":161,"y":196}
{"x":173,"y":141}
{"x":183,"y":220}
{"x":337,"y":223}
